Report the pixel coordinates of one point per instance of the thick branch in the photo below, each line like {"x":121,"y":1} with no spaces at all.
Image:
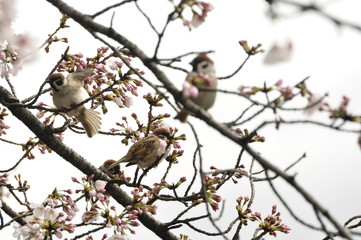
{"x":10,"y":212}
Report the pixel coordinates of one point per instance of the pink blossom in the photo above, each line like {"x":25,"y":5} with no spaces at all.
{"x":131,"y":88}
{"x":117,"y":236}
{"x":51,"y":214}
{"x":100,"y":68}
{"x":100,"y":185}
{"x":40,"y":237}
{"x":314,"y":100}
{"x":2,"y":55}
{"x":189,"y":90}
{"x":196,"y":21}
{"x":162,"y":147}
{"x":206,"y":80}
{"x":206,"y":6}
{"x":188,"y":24}
{"x":74,"y":179}
{"x":124,"y":101}
{"x":133,"y":216}
{"x":69,"y":228}
{"x":198,"y":18}
{"x":279,"y":83}
{"x":285,"y":228}
{"x":344,"y":103}
{"x":128,"y":101}
{"x":21,"y":231}
{"x":58,"y":233}
{"x":38,"y":209}
{"x":101,"y":197}
{"x":287,"y":92}
{"x":112,"y":65}
{"x":214,"y":206}
{"x":90,"y":216}
{"x":3,"y":126}
{"x":119,"y":101}
{"x":153,"y":209}
{"x":177,"y":145}
{"x":119,"y":64}
{"x":51,"y":202}
{"x":34,"y":227}
{"x":92,"y":193}
{"x":69,"y":191}
{"x":141,"y":72}
{"x":71,"y":212}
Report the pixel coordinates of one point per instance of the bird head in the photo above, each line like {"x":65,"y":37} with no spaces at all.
{"x":113,"y":170}
{"x":56,"y":81}
{"x":162,"y":133}
{"x":202,"y":63}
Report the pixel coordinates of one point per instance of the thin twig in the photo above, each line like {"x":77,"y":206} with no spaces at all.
{"x":195,"y":170}
{"x":324,"y":228}
{"x":312,"y":7}
{"x":285,"y":204}
{"x":110,"y":7}
{"x":146,"y":17}
{"x":10,"y":85}
{"x":22,"y":158}
{"x":251,"y":183}
{"x":237,"y":70}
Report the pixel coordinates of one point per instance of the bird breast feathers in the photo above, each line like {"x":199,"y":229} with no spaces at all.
{"x":68,"y":96}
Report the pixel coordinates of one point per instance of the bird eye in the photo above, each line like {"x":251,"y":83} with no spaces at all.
{"x":59,"y":82}
{"x":205,"y":65}
{"x":163,"y":136}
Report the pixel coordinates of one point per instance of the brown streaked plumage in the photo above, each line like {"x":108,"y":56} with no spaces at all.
{"x":67,"y":93}
{"x":205,"y":99}
{"x":145,"y":152}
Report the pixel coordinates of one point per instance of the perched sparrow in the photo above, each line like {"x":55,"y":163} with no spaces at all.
{"x":202,"y":75}
{"x":67,"y":93}
{"x":110,"y":171}
{"x":146,"y":151}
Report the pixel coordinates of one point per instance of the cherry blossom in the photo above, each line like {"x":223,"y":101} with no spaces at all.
{"x":190,"y":90}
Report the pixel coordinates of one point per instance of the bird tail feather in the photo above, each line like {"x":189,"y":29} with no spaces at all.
{"x":182,"y":116}
{"x":90,"y":120}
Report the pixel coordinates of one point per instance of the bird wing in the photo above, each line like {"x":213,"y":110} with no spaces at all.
{"x":190,"y":76}
{"x":144,"y":147}
{"x":77,"y":78}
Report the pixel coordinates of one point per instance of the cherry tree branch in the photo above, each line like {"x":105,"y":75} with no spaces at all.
{"x":10,"y":212}
{"x":318,"y":9}
{"x":111,"y":7}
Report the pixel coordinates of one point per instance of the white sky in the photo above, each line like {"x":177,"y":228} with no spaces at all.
{"x":330,"y":55}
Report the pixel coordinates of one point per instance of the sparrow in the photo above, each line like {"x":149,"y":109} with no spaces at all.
{"x":203,"y":75}
{"x":147,"y":152}
{"x":67,"y":93}
{"x":110,"y":171}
